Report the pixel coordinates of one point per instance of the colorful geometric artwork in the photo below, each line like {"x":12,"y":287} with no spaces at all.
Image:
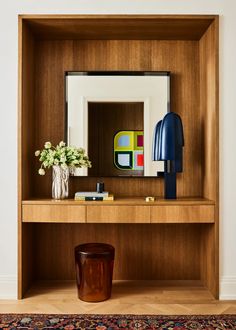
{"x":128,"y":150}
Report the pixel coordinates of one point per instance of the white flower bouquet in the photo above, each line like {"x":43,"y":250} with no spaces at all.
{"x":61,"y":155}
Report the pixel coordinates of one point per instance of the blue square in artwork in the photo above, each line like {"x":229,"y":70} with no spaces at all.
{"x":124,"y":141}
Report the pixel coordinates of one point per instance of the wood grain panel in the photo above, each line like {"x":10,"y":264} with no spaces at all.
{"x":209,"y":261}
{"x":209,"y":114}
{"x":154,"y":251}
{"x":188,"y":214}
{"x":27,"y":117}
{"x":27,"y":262}
{"x":118,"y":214}
{"x":123,"y":210}
{"x":49,"y":116}
{"x":55,"y":57}
{"x":19,"y":164}
{"x":25,"y":149}
{"x":53,"y":213}
{"x":209,"y":100}
{"x":184,"y":66}
{"x":119,"y":26}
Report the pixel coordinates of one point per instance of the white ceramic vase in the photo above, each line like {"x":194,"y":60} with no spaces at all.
{"x":60,"y":182}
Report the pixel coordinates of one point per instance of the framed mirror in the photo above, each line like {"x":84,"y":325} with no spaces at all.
{"x":112,"y":115}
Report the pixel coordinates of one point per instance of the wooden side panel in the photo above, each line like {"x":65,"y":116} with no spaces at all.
{"x":118,"y":214}
{"x":188,"y":214}
{"x":53,"y":213}
{"x":53,"y":58}
{"x":27,"y":270}
{"x":208,"y":248}
{"x":26,"y":112}
{"x":209,"y":100}
{"x":209,"y":120}
{"x":166,"y":252}
{"x":25,"y":148}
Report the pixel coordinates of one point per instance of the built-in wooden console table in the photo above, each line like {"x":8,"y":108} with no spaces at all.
{"x":121,"y":210}
{"x":161,"y":241}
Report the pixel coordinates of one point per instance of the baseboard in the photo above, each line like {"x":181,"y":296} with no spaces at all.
{"x":8,"y":287}
{"x":228,"y":288}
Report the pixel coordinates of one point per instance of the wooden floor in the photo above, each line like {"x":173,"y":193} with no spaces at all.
{"x":127,"y":298}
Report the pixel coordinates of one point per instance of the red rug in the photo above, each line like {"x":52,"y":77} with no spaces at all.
{"x":115,"y":322}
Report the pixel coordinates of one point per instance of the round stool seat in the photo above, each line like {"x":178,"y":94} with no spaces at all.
{"x":94,"y":250}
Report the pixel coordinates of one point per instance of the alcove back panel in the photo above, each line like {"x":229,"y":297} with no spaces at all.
{"x":53,"y":58}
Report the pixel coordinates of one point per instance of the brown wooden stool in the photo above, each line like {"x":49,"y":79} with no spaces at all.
{"x":94,"y":269}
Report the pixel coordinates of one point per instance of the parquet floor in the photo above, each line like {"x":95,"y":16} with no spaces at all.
{"x":127,"y":298}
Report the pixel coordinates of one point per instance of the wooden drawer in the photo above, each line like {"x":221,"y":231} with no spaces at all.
{"x":118,"y":214}
{"x":53,"y":213}
{"x":182,"y":214}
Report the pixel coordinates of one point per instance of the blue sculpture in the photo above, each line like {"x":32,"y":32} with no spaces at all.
{"x":168,"y":142}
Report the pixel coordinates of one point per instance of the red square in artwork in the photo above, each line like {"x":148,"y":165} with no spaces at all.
{"x":140,"y":159}
{"x":140,"y":140}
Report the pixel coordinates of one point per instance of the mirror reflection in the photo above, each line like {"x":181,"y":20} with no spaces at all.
{"x":112,"y":115}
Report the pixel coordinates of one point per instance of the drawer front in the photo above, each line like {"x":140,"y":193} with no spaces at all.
{"x":118,"y":214}
{"x":183,"y":213}
{"x":53,"y":213}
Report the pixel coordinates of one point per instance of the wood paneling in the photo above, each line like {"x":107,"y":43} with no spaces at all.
{"x":209,"y":120}
{"x":177,"y":213}
{"x":49,"y":113}
{"x":118,"y":214}
{"x":26,"y":269}
{"x":26,"y":104}
{"x":143,"y":251}
{"x":25,"y":148}
{"x":153,"y":251}
{"x":209,"y":114}
{"x":53,"y":58}
{"x":209,"y":258}
{"x":123,"y":210}
{"x":53,"y":213}
{"x":174,"y":27}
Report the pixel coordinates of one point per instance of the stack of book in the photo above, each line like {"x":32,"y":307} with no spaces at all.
{"x":93,"y":196}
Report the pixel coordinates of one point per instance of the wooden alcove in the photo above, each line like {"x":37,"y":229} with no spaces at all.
{"x":165,"y":241}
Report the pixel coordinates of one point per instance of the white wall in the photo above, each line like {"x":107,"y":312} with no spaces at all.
{"x":8,"y":106}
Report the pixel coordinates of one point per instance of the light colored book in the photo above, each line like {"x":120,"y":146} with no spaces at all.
{"x":91,"y":194}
